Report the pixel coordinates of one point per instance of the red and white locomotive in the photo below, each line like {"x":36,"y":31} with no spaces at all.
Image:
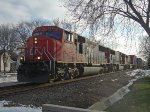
{"x":54,"y":53}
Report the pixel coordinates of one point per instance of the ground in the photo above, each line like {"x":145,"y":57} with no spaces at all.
{"x":80,"y":94}
{"x":76,"y":94}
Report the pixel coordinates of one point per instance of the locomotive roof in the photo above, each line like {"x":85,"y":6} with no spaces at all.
{"x":55,"y":27}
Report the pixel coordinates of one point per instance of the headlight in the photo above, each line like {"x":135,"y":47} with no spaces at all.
{"x":21,"y":58}
{"x":35,"y":40}
{"x":38,"y":57}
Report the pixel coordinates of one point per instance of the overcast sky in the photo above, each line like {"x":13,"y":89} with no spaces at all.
{"x":13,"y":11}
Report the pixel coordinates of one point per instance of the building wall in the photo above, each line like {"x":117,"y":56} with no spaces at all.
{"x":7,"y":68}
{"x":117,"y":57}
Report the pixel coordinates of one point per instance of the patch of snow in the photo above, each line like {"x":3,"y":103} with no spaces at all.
{"x":147,"y":72}
{"x":113,"y":80}
{"x":2,"y":103}
{"x":134,"y":72}
{"x":139,"y":73}
{"x":8,"y":77}
{"x":101,"y":80}
{"x":22,"y":108}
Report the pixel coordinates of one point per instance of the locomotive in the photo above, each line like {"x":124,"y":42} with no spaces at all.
{"x":55,"y":53}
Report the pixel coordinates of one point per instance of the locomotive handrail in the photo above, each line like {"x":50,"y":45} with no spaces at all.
{"x":47,"y":55}
{"x":38,"y":51}
{"x":49,"y":52}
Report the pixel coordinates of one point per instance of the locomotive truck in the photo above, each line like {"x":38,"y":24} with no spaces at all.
{"x":55,"y":53}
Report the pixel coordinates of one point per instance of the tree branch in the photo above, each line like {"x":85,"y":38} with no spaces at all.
{"x":134,"y":10}
{"x":148,"y":14}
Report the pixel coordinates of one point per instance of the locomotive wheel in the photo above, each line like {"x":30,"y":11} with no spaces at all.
{"x":66,"y":76}
{"x":57,"y":77}
{"x":74,"y":74}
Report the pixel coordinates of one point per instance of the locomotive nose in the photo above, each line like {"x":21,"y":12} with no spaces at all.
{"x":40,"y":48}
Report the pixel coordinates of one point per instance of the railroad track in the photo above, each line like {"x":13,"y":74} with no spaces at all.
{"x":24,"y":88}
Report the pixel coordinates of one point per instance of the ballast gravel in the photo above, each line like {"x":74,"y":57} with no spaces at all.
{"x":81,"y":94}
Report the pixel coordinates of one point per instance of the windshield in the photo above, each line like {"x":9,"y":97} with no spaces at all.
{"x":55,"y":35}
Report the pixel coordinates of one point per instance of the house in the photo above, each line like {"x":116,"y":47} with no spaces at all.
{"x":4,"y":60}
{"x":13,"y":63}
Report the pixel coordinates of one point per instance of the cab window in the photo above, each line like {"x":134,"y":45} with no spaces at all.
{"x":69,"y":37}
{"x":55,"y":35}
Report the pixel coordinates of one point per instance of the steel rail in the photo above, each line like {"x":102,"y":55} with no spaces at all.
{"x":23,"y":88}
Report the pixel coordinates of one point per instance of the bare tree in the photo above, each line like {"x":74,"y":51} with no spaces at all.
{"x":66,"y":24}
{"x":145,"y":47}
{"x":13,"y":35}
{"x":8,"y":40}
{"x":24,"y":29}
{"x":103,"y":13}
{"x":56,"y":22}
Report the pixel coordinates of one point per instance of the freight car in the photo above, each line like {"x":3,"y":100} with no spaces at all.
{"x":54,"y":53}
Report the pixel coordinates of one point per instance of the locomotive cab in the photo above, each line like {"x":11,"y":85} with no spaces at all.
{"x":42,"y":50}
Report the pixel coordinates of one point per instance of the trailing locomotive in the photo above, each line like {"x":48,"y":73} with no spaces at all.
{"x":54,"y":53}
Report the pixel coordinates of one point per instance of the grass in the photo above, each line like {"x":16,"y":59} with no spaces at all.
{"x":137,"y":100}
